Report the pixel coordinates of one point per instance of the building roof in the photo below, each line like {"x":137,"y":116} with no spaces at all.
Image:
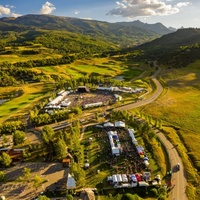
{"x":71,"y":183}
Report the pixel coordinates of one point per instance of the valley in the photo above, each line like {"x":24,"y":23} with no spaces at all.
{"x":152,"y":88}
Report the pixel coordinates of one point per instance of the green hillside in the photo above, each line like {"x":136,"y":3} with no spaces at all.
{"x":184,"y":43}
{"x":120,"y":34}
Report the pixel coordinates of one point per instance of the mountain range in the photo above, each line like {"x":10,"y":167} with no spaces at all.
{"x":121,"y":33}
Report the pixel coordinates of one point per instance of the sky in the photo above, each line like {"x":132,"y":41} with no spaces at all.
{"x":171,"y":13}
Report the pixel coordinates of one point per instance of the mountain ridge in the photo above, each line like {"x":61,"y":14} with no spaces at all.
{"x":124,"y":34}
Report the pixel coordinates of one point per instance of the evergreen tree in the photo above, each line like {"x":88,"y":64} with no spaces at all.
{"x":18,"y":137}
{"x":60,"y":149}
{"x":5,"y":159}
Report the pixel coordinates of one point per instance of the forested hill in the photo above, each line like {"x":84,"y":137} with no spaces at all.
{"x":122,"y":34}
{"x":178,"y":48}
{"x":158,"y":27}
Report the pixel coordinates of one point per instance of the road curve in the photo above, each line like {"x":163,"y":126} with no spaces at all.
{"x":179,"y":180}
{"x":178,"y":176}
{"x":148,"y":100}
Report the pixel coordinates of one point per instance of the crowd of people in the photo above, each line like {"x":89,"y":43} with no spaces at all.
{"x":129,"y":161}
{"x":82,"y":99}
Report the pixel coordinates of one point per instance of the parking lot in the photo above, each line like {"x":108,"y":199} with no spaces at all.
{"x":54,"y":173}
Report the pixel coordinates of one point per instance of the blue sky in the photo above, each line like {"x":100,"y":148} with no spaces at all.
{"x":175,"y":13}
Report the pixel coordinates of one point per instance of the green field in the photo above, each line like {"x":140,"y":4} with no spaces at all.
{"x":179,"y":109}
{"x":22,"y":104}
{"x":105,"y":67}
{"x":13,"y":58}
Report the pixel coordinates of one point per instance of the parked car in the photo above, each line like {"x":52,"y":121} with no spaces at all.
{"x":178,"y":166}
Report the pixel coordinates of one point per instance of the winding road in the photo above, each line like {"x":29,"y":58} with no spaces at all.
{"x":179,"y":179}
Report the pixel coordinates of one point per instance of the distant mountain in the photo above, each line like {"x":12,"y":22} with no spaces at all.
{"x":124,"y":34}
{"x":182,"y":37}
{"x":172,"y":29}
{"x":176,"y":49}
{"x":157,"y":28}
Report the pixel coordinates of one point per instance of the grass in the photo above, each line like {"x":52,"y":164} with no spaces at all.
{"x":96,"y":67}
{"x":20,"y":105}
{"x":179,"y":110}
{"x":18,"y":57}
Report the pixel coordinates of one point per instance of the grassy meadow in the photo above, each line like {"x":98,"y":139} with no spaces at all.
{"x":18,"y":56}
{"x":179,"y":110}
{"x":22,"y":104}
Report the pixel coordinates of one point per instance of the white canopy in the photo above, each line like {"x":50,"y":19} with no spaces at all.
{"x":115,"y":151}
{"x":71,"y":183}
{"x":120,"y":124}
{"x":108,"y":124}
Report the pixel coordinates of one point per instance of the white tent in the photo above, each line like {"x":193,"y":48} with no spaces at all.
{"x":115,"y":151}
{"x":71,"y":183}
{"x":108,"y":124}
{"x":87,"y":165}
{"x":119,"y":178}
{"x":114,"y":178}
{"x":120,"y":124}
{"x":124,"y":178}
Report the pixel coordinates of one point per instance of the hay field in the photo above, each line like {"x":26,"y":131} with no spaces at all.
{"x":179,"y":107}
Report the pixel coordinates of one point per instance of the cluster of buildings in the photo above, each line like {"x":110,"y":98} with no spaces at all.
{"x":59,"y":102}
{"x":133,"y":180}
{"x":121,"y":89}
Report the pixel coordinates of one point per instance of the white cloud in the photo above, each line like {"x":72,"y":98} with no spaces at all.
{"x":4,"y":10}
{"x":136,"y":8}
{"x":7,"y":11}
{"x":88,"y":18}
{"x":47,"y":8}
{"x":76,"y":12}
{"x":182,"y":4}
{"x":15,"y":15}
{"x":10,"y":6}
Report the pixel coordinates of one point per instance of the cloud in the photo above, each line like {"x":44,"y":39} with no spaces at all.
{"x":76,"y":12}
{"x":136,"y":8}
{"x":47,"y":8}
{"x":15,"y":15}
{"x":10,"y":6}
{"x":7,"y":11}
{"x":4,"y":10}
{"x":182,"y":4}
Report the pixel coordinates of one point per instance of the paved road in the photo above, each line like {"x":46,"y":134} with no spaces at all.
{"x":149,"y":99}
{"x":178,"y":177}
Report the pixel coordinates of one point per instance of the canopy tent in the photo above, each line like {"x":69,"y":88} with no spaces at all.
{"x":115,"y":137}
{"x":146,"y":163}
{"x":71,"y":183}
{"x":114,"y":178}
{"x":146,"y":158}
{"x":133,"y":177}
{"x":119,"y":178}
{"x":108,"y":124}
{"x":120,"y":124}
{"x":115,"y":151}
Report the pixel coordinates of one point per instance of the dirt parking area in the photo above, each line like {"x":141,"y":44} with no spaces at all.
{"x":12,"y":189}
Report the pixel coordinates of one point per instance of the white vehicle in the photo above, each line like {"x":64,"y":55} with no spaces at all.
{"x":178,"y":166}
